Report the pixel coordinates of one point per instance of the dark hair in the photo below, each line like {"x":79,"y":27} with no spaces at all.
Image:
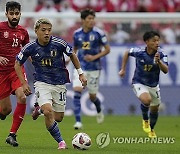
{"x":11,"y":5}
{"x":149,"y":35}
{"x":86,"y":12}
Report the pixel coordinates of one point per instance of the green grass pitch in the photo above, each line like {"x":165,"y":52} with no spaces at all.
{"x":33,"y":138}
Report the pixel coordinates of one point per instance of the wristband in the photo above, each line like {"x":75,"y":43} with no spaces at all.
{"x":80,"y":71}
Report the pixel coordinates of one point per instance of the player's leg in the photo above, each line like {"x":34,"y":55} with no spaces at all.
{"x":154,"y":108}
{"x":36,"y":112}
{"x":77,"y":87}
{"x":18,"y":116}
{"x":5,"y":92}
{"x":58,"y":105}
{"x":20,"y":109}
{"x":5,"y":107}
{"x":45,"y":99}
{"x":58,"y":116}
{"x":93,"y":86}
{"x":143,"y":95}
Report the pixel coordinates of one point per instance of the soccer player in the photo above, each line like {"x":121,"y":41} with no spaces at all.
{"x":90,"y":44}
{"x":149,"y":62}
{"x":12,"y":38}
{"x":51,"y":75}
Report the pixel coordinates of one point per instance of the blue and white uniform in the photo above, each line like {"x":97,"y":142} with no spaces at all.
{"x":146,"y":75}
{"x":50,"y":74}
{"x":89,"y":43}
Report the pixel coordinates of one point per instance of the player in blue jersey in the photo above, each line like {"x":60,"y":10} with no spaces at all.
{"x":90,"y":44}
{"x":51,"y":75}
{"x":149,"y":62}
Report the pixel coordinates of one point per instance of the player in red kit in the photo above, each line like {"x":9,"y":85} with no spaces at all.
{"x":12,"y":38}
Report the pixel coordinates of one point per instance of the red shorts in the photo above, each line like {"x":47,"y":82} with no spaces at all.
{"x":9,"y":82}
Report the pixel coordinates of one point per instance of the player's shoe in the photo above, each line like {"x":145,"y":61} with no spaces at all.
{"x":62,"y":145}
{"x":78,"y":125}
{"x":152,"y":134}
{"x":100,"y":117}
{"x":11,"y":139}
{"x":2,"y":117}
{"x":36,"y":112}
{"x":146,"y":126}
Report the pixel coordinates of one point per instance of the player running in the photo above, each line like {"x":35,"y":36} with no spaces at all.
{"x":51,"y":75}
{"x":149,"y":62}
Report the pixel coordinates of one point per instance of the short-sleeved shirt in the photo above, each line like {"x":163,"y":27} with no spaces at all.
{"x":48,"y":61}
{"x":147,"y":72}
{"x":89,"y":43}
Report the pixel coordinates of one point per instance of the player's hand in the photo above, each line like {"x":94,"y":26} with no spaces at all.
{"x":26,"y":89}
{"x":122,"y":73}
{"x":89,"y":58}
{"x":83,"y":80}
{"x":157,"y":58}
{"x":3,"y":61}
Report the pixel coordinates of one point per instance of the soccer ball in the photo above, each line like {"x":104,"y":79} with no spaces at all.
{"x":81,"y":141}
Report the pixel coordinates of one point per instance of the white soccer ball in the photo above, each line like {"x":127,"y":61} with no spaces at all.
{"x":81,"y":141}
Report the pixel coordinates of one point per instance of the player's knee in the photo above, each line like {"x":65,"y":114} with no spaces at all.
{"x":48,"y":113}
{"x":22,"y":99}
{"x":59,"y":119}
{"x":154,"y":109}
{"x":92,"y":98}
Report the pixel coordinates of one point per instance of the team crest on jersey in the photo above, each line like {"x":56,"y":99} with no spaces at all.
{"x":6,"y":34}
{"x":91,"y":37}
{"x":53,"y":53}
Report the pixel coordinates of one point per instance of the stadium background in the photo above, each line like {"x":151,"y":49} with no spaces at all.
{"x":124,"y":22}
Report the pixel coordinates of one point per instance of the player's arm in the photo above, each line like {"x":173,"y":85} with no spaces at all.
{"x":18,"y":69}
{"x":99,"y":55}
{"x":163,"y":67}
{"x":76,"y":64}
{"x":123,"y":65}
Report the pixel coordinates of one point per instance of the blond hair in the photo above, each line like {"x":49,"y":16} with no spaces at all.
{"x":41,"y":21}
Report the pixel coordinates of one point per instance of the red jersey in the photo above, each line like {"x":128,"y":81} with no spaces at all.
{"x":11,"y":42}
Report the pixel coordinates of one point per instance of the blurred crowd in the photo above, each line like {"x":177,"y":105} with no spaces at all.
{"x":117,"y":32}
{"x":111,"y":5}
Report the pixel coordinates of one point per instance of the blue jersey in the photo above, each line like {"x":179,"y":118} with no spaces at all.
{"x":48,"y":61}
{"x":89,"y":43}
{"x":146,"y":72}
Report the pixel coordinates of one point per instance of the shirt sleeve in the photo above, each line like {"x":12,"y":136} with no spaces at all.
{"x":23,"y":54}
{"x":68,"y":50}
{"x":134,"y":52}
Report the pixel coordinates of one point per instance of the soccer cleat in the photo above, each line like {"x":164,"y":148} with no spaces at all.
{"x":78,"y":125}
{"x":36,"y":112}
{"x":11,"y":139}
{"x":100,"y":117}
{"x":146,"y":126}
{"x":62,"y":145}
{"x":152,"y":134}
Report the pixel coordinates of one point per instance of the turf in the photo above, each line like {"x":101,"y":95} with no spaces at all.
{"x":35,"y":139}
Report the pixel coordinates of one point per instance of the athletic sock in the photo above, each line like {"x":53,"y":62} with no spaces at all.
{"x":97,"y":103}
{"x":153,"y":119}
{"x":144,"y":110}
{"x":18,"y":117}
{"x":55,"y":132}
{"x":77,"y":106}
